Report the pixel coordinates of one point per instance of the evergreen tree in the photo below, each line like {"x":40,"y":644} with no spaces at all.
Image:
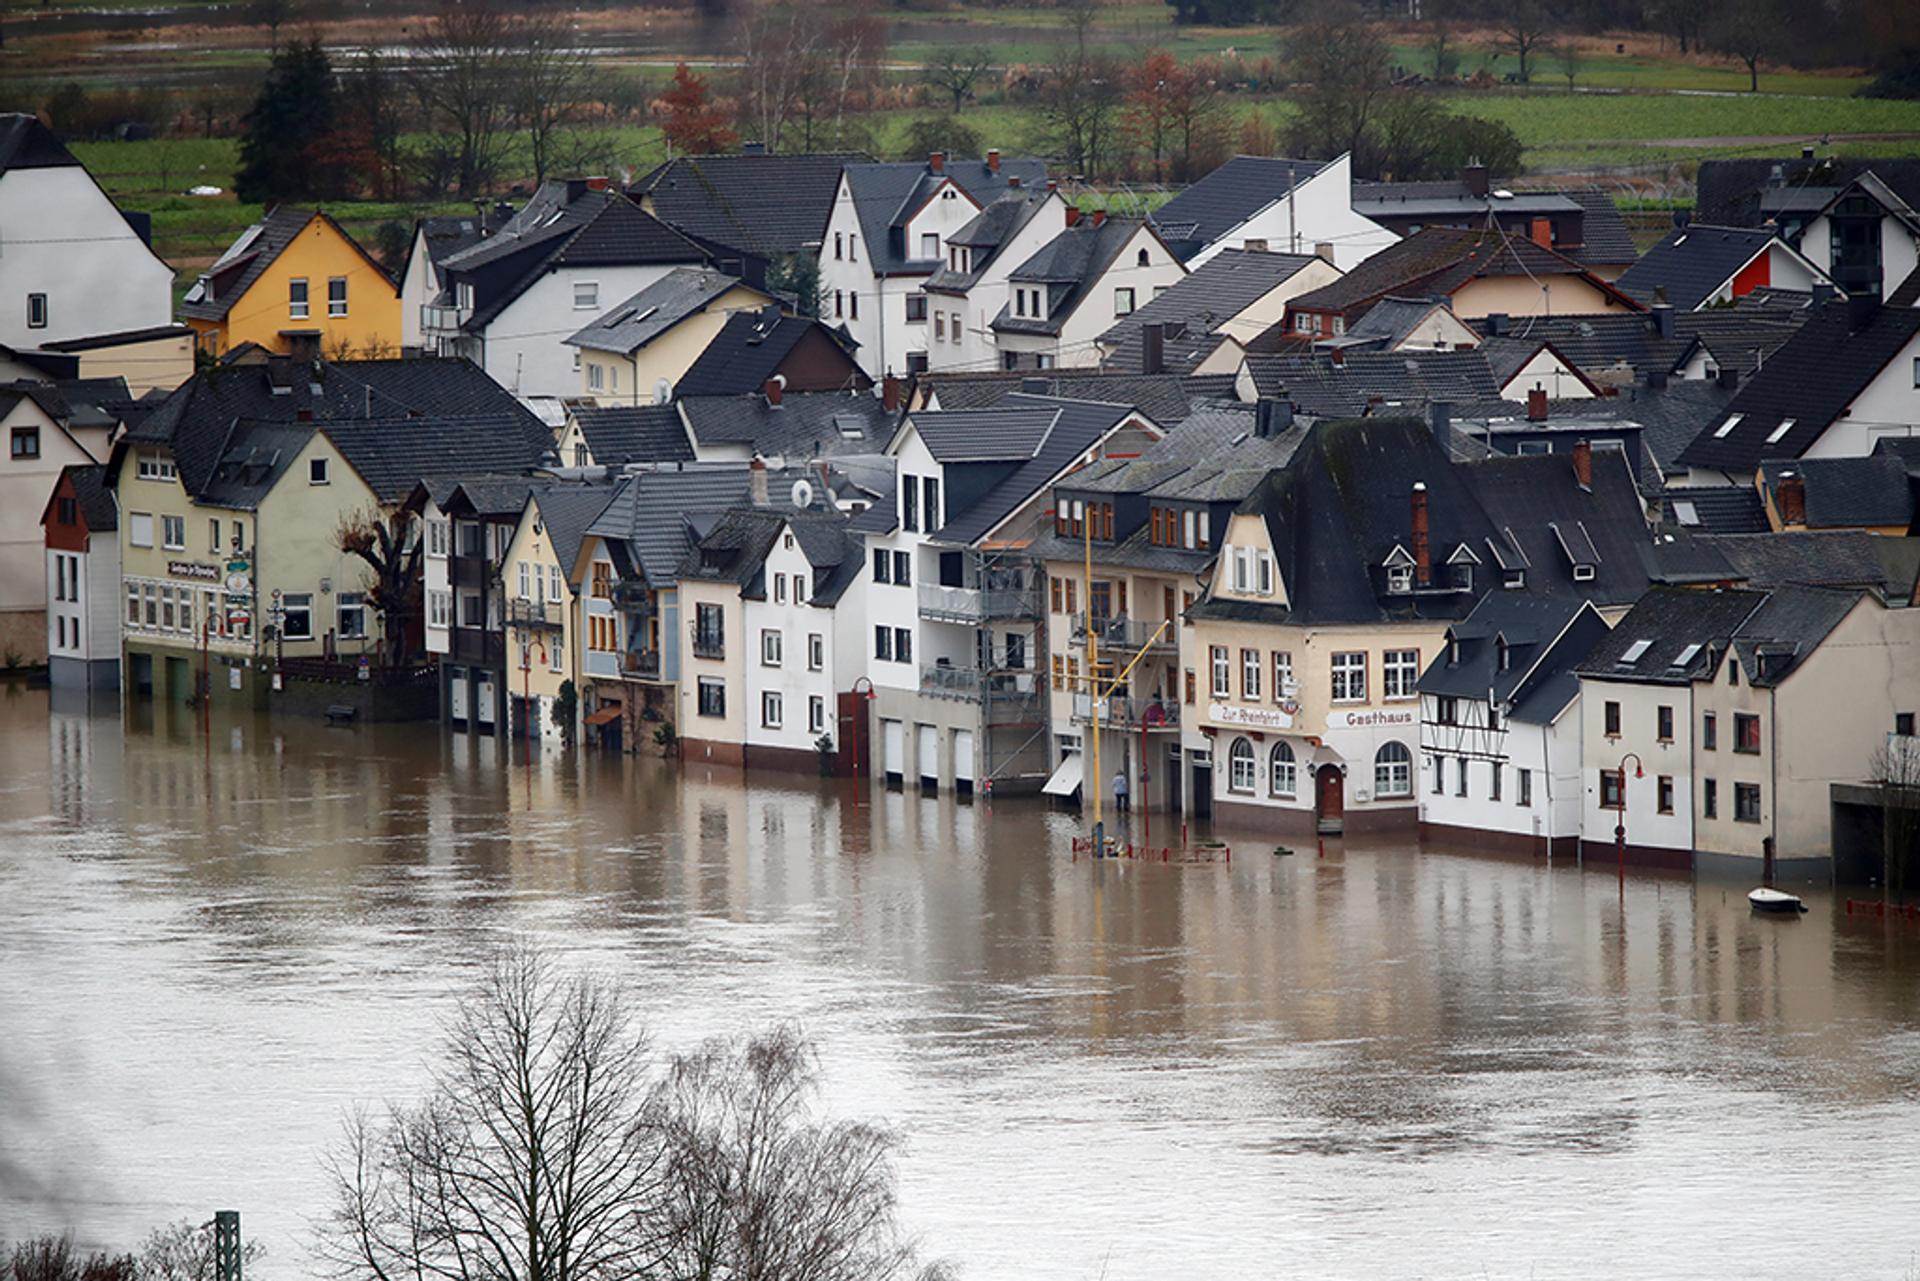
{"x":290,"y":124}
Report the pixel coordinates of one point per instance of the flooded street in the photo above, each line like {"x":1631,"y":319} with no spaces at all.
{"x":1383,"y":1063}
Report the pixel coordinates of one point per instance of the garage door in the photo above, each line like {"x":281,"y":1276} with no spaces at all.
{"x":893,"y":749}
{"x":928,"y":753}
{"x":963,"y":757}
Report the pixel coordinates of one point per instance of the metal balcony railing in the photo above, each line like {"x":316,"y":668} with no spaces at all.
{"x":443,"y":319}
{"x":1123,"y":712}
{"x":534,"y":613}
{"x":709,"y":645}
{"x":1128,"y":633}
{"x":971,"y":604}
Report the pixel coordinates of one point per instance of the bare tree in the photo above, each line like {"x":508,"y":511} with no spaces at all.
{"x":1343,"y":70}
{"x":1749,"y":30}
{"x":1896,"y":778}
{"x":548,"y":74}
{"x":183,"y":1251}
{"x":387,"y":543}
{"x":1566,"y":56}
{"x":1521,"y":27}
{"x":955,"y":69}
{"x":462,"y":80}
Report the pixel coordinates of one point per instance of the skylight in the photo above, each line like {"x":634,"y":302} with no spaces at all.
{"x":1726,"y":428}
{"x":1786,"y":425}
{"x":1686,"y":513}
{"x":1636,"y":652}
{"x":1685,"y":656}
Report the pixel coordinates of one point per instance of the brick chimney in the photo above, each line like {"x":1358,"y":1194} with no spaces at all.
{"x":1791,"y":495}
{"x":1099,"y":216}
{"x":1537,"y":405}
{"x":1474,"y":178}
{"x":993,"y":160}
{"x":936,"y":161}
{"x":1323,"y":250}
{"x":1073,"y":214}
{"x":757,"y":480}
{"x":774,"y":388}
{"x":890,"y":393}
{"x":1422,"y":557}
{"x":1013,"y":182}
{"x":1583,"y":463}
{"x":598,"y":183}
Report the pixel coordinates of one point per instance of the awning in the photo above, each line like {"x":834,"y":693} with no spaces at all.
{"x":604,"y":715}
{"x":1065,"y":781}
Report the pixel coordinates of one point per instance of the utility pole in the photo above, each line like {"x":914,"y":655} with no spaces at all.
{"x":226,"y":1245}
{"x":1093,"y":680}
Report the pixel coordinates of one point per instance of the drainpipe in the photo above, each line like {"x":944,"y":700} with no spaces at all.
{"x":1546,"y":774}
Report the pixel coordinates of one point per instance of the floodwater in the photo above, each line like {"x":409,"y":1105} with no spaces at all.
{"x":1377,"y":1063}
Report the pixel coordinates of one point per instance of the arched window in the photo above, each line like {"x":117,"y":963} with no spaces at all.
{"x":1282,"y":775}
{"x":1144,"y":260}
{"x":1393,"y":770}
{"x":1240,"y":766}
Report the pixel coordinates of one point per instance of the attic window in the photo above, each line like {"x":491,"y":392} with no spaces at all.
{"x":1635,"y":652}
{"x":1786,"y":425}
{"x":1516,"y":579}
{"x":1726,"y":428}
{"x":1685,"y":656}
{"x":1687,"y":514}
{"x":1399,"y":579}
{"x":1583,"y":573}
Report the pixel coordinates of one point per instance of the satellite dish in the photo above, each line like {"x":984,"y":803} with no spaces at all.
{"x":802,"y":494}
{"x":662,"y":391}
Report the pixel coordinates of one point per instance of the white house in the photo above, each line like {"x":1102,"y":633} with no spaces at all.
{"x":1273,"y":204}
{"x":1867,"y":238}
{"x":1500,"y":724}
{"x":803,"y":637}
{"x":83,"y":581}
{"x":1067,"y":295}
{"x":886,"y":235}
{"x":1696,"y":267}
{"x":509,"y":301}
{"x":435,"y":240}
{"x":40,"y":446}
{"x":961,"y":299}
{"x":71,"y":265}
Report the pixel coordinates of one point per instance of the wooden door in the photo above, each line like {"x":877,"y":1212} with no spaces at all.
{"x":1330,"y":798}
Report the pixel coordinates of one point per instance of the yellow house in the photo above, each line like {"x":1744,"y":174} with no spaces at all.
{"x":294,"y":281}
{"x":636,"y":352}
{"x":542,"y":616}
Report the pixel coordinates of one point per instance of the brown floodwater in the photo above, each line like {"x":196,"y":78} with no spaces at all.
{"x":1383,"y":1062}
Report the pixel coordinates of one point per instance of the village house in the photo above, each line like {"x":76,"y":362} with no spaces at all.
{"x":542,"y":607}
{"x":638,"y":350}
{"x":1867,"y":236}
{"x":1871,"y":493}
{"x":886,"y":235}
{"x":143,"y":360}
{"x":1698,"y":266}
{"x":613,"y":436}
{"x":1202,"y":322}
{"x":436,"y":239}
{"x":43,"y":440}
{"x":962,"y":298}
{"x":1072,"y":290}
{"x":753,"y":210}
{"x":1271,"y":204}
{"x":1583,"y":223}
{"x":767,"y":352}
{"x":50,"y":204}
{"x":295,"y":282}
{"x":83,"y":581}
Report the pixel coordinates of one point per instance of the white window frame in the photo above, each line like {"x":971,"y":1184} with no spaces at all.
{"x":140,"y":529}
{"x":1399,"y":674}
{"x":816,"y":651}
{"x":1283,"y":771}
{"x":1243,"y":767}
{"x":1392,"y":777}
{"x":173,"y":533}
{"x":288,"y":608}
{"x":772,"y":647}
{"x":816,"y":714}
{"x":1220,"y":663}
{"x":773,"y":710}
{"x":1347,"y":682}
{"x":299,"y":298}
{"x":586,"y":295}
{"x":336,"y":307}
{"x":343,"y":603}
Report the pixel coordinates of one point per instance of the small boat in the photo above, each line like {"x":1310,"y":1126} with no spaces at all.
{"x":1772,"y":900}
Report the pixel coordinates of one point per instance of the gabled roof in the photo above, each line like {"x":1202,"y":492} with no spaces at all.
{"x":803,"y":425}
{"x":1227,"y":197}
{"x":1847,"y":493}
{"x":750,"y":349}
{"x":1068,"y":267}
{"x":1316,"y":384}
{"x":633,"y":434}
{"x":253,"y":458}
{"x":1788,"y":627}
{"x":224,"y":283}
{"x":392,"y":454}
{"x":1694,"y":263}
{"x":1165,"y":398}
{"x":1007,"y":434}
{"x":1391,"y":319}
{"x":1741,"y":337}
{"x":1542,"y":637}
{"x":765,"y":205}
{"x":25,"y":143}
{"x":1192,"y":308}
{"x":1439,"y":260}
{"x":92,"y":497}
{"x":1803,"y":558}
{"x":569,"y":509}
{"x":1074,"y":428}
{"x":1667,"y":625}
{"x":735,"y":550}
{"x":1536,"y":503}
{"x":1606,"y":239}
{"x":1809,"y":382}
{"x":630,"y":325}
{"x":657,"y":514}
{"x":1714,"y":509}
{"x":886,"y":195}
{"x":986,"y":235}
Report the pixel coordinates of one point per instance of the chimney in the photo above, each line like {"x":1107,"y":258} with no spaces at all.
{"x":303,"y":415}
{"x":1861,"y":309}
{"x":576,"y":188}
{"x":1323,"y":250}
{"x":1474,"y":178}
{"x":1053,"y":184}
{"x":1822,"y":293}
{"x":936,"y":161}
{"x":1153,"y":349}
{"x":993,"y":160}
{"x":1663,"y":319}
{"x":757,"y":480}
{"x":1790,"y":493}
{"x":1806,"y":151}
{"x":1337,"y":356}
{"x":1440,"y":422}
{"x":598,"y":183}
{"x":1583,"y":463}
{"x":755,"y":148}
{"x":1496,"y":324}
{"x":1272,"y":415}
{"x":1013,"y":182}
{"x":1099,"y":216}
{"x":774,"y":388}
{"x":1537,"y":405}
{"x":1656,"y":380}
{"x":1073,"y":213}
{"x":1422,"y":559}
{"x":1036,"y":386}
{"x":890,"y":394}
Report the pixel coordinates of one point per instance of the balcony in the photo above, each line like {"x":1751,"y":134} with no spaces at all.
{"x":641,"y":664}
{"x":1123,"y":712}
{"x":709,"y":644}
{"x":438,"y":319}
{"x":943,"y":680}
{"x":1129,"y":634}
{"x":940,"y":604}
{"x":469,"y":571}
{"x":477,"y":647}
{"x":536,"y":614}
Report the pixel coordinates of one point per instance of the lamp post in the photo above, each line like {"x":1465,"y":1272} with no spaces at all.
{"x":1620,"y":824}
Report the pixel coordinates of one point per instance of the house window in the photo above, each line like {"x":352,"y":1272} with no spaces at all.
{"x":1664,"y":720}
{"x":882,"y":565}
{"x":1439,"y":775}
{"x":1903,"y":724}
{"x":316,"y":471}
{"x":909,"y":505}
{"x":1610,"y":789}
{"x":337,"y":296}
{"x":903,"y":569}
{"x":839,"y":305}
{"x":439,"y":608}
{"x":1399,"y":672}
{"x":1493,"y":785}
{"x":1710,"y":798}
{"x":36,"y":311}
{"x":67,"y":512}
{"x":930,"y":502}
{"x":772,"y":712}
{"x":713,"y":696}
{"x":213,"y":536}
{"x":140,"y":529}
{"x":770,"y":647}
{"x":26,"y":442}
{"x":602,"y":580}
{"x":1709,"y":731}
{"x":883,"y":644}
{"x":1240,"y":766}
{"x":1123,"y":302}
{"x":1446,"y":710}
{"x":1393,"y":770}
{"x":1399,"y":579}
{"x":779,"y":589}
{"x":853,"y":305}
{"x":839,"y":245}
{"x":929,"y":244}
{"x":1733,"y":672}
{"x":1746,"y":733}
{"x":1222,"y":672}
{"x":350,"y":615}
{"x":902,"y":645}
{"x":596,"y":377}
{"x":586,"y":295}
{"x":297,"y":299}
{"x":1663,"y":793}
{"x":1746,"y":802}
{"x":1250,"y":675}
{"x":816,"y":651}
{"x":816,"y":714}
{"x":173,"y":533}
{"x":1350,"y":677}
{"x":1612,"y":714}
{"x":1059,"y":672}
{"x":709,"y":631}
{"x":556,"y":584}
{"x":1282,"y":674}
{"x":916,"y":309}
{"x":1283,"y":775}
{"x":1524,"y":793}
{"x":133,"y":604}
{"x":1460,"y":782}
{"x":297,"y":616}
{"x":155,"y":467}
{"x":939,"y":326}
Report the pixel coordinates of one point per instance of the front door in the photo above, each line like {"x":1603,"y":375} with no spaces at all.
{"x":1173,"y":780}
{"x":1330,"y":799}
{"x":1203,"y":790}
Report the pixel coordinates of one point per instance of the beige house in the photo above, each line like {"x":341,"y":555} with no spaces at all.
{"x":713,"y":702}
{"x":39,"y":447}
{"x":157,"y":359}
{"x":543,"y":618}
{"x":636,"y":352}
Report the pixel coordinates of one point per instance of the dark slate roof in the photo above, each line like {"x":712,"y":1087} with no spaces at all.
{"x":93,"y":342}
{"x":569,"y":509}
{"x":1811,"y":380}
{"x":252,"y":252}
{"x":654,"y":514}
{"x":985,"y":235}
{"x":1715,"y":509}
{"x":1438,"y":260}
{"x":1741,"y":193}
{"x":1165,"y":398}
{"x":1536,"y":503}
{"x":735,"y":549}
{"x":1227,"y":197}
{"x":1448,"y":198}
{"x":803,"y":425}
{"x":634,"y":434}
{"x":1067,"y":266}
{"x":887,"y":194}
{"x":1007,"y":434}
{"x":195,"y":418}
{"x":1391,"y":319}
{"x":1848,"y":493}
{"x":749,"y":349}
{"x":1692,"y":263}
{"x":1671,"y":416}
{"x":1809,"y":558}
{"x":1739,"y":337}
{"x":1671,"y":619}
{"x":1789,"y":625}
{"x":1317,"y":385}
{"x":252,"y":459}
{"x":1076,"y":427}
{"x":765,"y":205}
{"x":1905,"y":448}
{"x":93,"y":496}
{"x":25,"y":143}
{"x":1542,"y":643}
{"x":1607,"y":241}
{"x":94,"y":402}
{"x":393,"y":454}
{"x":630,"y":325}
{"x":1195,"y":306}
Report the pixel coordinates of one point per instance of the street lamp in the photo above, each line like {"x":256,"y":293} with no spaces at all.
{"x":1620,"y":824}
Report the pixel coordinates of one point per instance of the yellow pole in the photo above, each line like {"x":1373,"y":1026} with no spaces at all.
{"x":1093,"y":679}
